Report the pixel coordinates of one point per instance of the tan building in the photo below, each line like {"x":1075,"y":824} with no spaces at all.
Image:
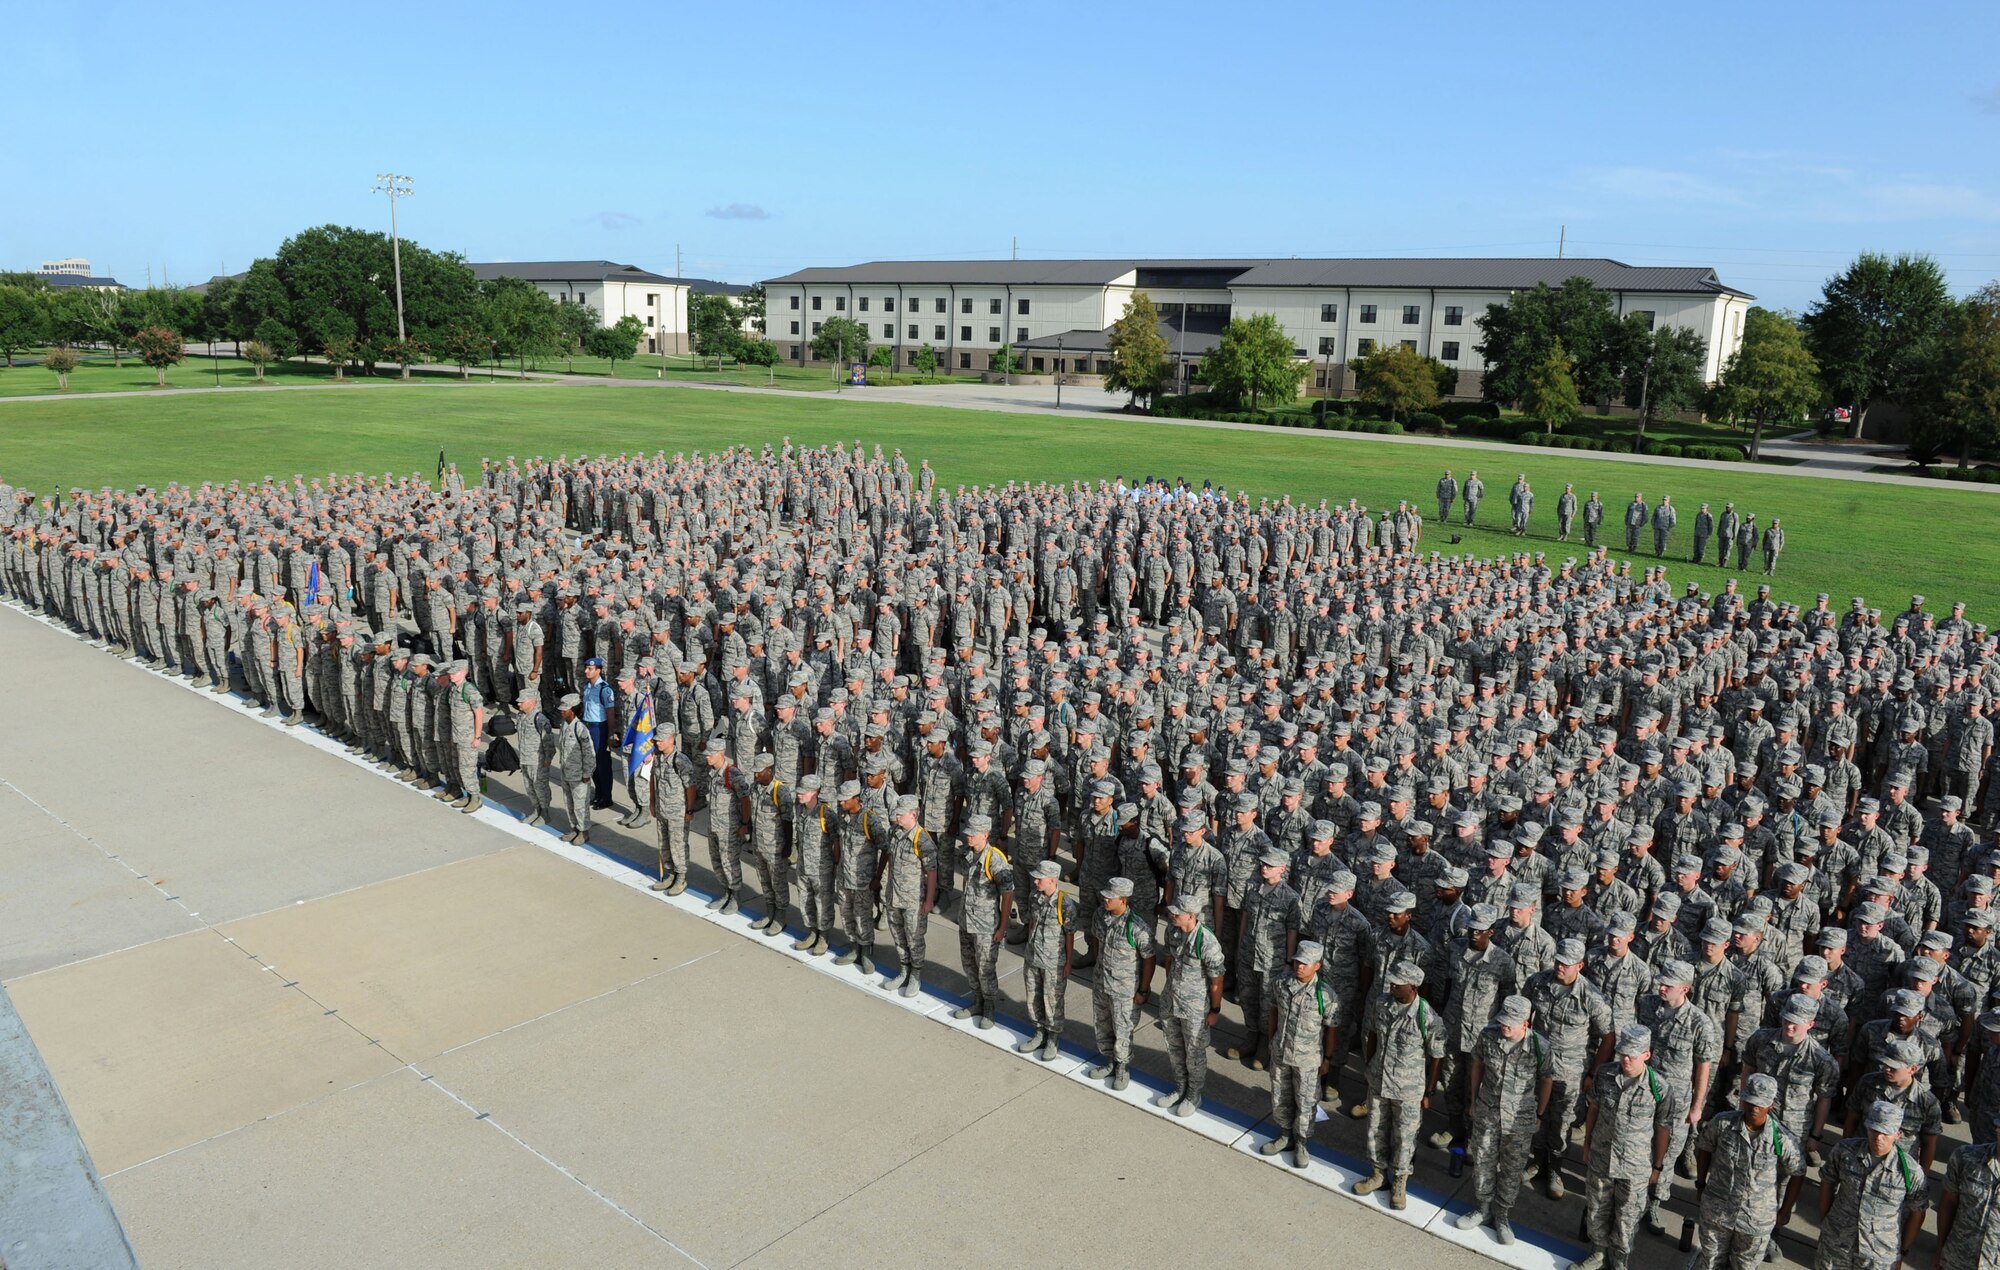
{"x":615,"y":290}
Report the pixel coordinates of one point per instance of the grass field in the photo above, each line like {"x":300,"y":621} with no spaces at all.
{"x":100,"y":375}
{"x":1844,"y":537}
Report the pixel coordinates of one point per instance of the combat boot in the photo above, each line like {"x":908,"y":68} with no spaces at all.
{"x":1121,"y":1078}
{"x":1595,"y":1261}
{"x":1301,"y":1156}
{"x":680,"y":884}
{"x":1370,"y":1184}
{"x":804,"y":941}
{"x":444,"y":794}
{"x":849,"y":957}
{"x":473,"y":802}
{"x":643,"y":818}
{"x":1470,"y":1221}
{"x":294,"y":719}
{"x":866,"y":963}
{"x":1399,"y":1192}
{"x":1654,"y":1222}
{"x":1032,"y":1044}
{"x":1051,"y":1047}
{"x":818,"y":948}
{"x":1503,"y":1230}
{"x":1278,"y":1144}
{"x":1552,"y":1180}
{"x":715,"y":905}
{"x":662,"y":884}
{"x":534,"y":817}
{"x":775,"y":926}
{"x":913,"y":985}
{"x":984,"y":1022}
{"x":730,"y":904}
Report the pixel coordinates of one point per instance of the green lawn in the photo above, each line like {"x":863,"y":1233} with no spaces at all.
{"x":99,"y":375}
{"x":698,"y":370}
{"x":1845,"y":537}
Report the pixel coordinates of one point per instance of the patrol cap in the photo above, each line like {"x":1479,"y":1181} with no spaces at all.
{"x":1339,"y":882}
{"x":1574,"y":880}
{"x":1406,"y":972}
{"x":1128,"y":813}
{"x":1117,"y":888}
{"x":1667,"y":906}
{"x":1620,"y":924}
{"x":1514,"y":1011}
{"x":1499,"y":849}
{"x":1811,"y":968}
{"x":1935,"y":941}
{"x":1308,"y":952}
{"x":1748,"y":923}
{"x":764,"y":762}
{"x":1522,"y":895}
{"x":907,"y":805}
{"x":979,"y":822}
{"x":1048,"y":869}
{"x":1884,"y":1117}
{"x":1194,"y":822}
{"x":1453,"y":877}
{"x":570,"y":701}
{"x":1760,"y":1091}
{"x":1483,"y":916}
{"x":1715,"y":931}
{"x":1871,"y":914}
{"x":1833,"y":937}
{"x":1400,"y":902}
{"x":1569,"y":952}
{"x":1904,"y":1002}
{"x":810,"y":784}
{"x":1923,"y":969}
{"x":1185,"y":906}
{"x":1990,"y":1020}
{"x":1676,"y":971}
{"x":1633,"y":1041}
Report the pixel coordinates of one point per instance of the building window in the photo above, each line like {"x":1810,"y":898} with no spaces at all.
{"x":1364,"y":348}
{"x":652,"y":299}
{"x":940,"y":304}
{"x":913,"y":330}
{"x":650,"y":346}
{"x":993,"y":306}
{"x":965,"y":361}
{"x":1410,"y":344}
{"x":888,"y":330}
{"x":816,"y":300}
{"x":649,"y":319}
{"x":939,"y":329}
{"x":1022,"y":308}
{"x":1319,"y":379}
{"x":1021,"y":332}
{"x":1329,"y":313}
{"x":1103,"y":366}
{"x":795,"y":302}
{"x":862,"y":303}
{"x":840,"y":304}
{"x":1647,"y":314}
{"x":795,"y":328}
{"x":965,"y":305}
{"x":1412,"y":314}
{"x":815,"y":328}
{"x":1451,"y":350}
{"x":1367,"y":313}
{"x":795,"y":352}
{"x":888,"y":304}
{"x":1454,"y":315}
{"x":965,"y":335}
{"x":912,"y":356}
{"x":1035,"y":363}
{"x":1326,"y":346}
{"x":992,"y":335}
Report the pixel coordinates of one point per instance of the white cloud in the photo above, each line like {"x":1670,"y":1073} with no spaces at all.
{"x":738,"y":211}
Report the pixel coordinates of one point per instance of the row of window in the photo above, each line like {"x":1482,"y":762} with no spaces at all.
{"x":1329,"y":345}
{"x":993,"y":306}
{"x":1413,"y":314}
{"x":1061,"y":365}
{"x":993,"y":333}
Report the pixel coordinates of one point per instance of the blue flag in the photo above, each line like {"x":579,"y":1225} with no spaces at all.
{"x":639,"y":736}
{"x":312,"y":584}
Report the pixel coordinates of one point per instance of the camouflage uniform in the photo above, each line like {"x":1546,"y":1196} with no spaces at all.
{"x":1872,"y":1198}
{"x":1630,"y":1113}
{"x":1748,"y":1171}
{"x":988,"y":876}
{"x":1504,"y":1118}
{"x":1194,"y":960}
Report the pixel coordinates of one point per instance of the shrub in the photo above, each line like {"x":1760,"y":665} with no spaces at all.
{"x":757,"y":353}
{"x":1428,"y":421}
{"x":1667,"y":451}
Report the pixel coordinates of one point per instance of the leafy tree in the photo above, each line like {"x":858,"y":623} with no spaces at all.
{"x":218,"y":303}
{"x":463,"y":345}
{"x":1138,"y":352}
{"x":62,"y":359}
{"x":1004,"y":361}
{"x":1873,"y":329}
{"x":1254,"y":362}
{"x":927,"y":362}
{"x":403,"y":352}
{"x":277,"y":337}
{"x":103,"y":314}
{"x":884,"y":356}
{"x":22,"y":321}
{"x":575,"y":322}
{"x":751,"y":306}
{"x":351,"y":271}
{"x":616,"y":343}
{"x":1772,"y":378}
{"x":1967,"y":385}
{"x":1517,"y":336}
{"x":764,"y":353}
{"x":718,"y":329}
{"x":842,"y":340}
{"x":159,"y":347}
{"x":1663,"y":371}
{"x":522,"y":320}
{"x":258,"y":300}
{"x":1399,"y":380}
{"x":259,"y":355}
{"x":1550,"y":394}
{"x":337,"y":341}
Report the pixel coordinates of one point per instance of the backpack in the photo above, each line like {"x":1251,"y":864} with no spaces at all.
{"x":500,"y":756}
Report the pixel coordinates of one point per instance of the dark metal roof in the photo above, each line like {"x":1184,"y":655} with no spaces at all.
{"x":72,"y":280}
{"x":1467,"y":273}
{"x":567,"y":271}
{"x":1201,"y":338}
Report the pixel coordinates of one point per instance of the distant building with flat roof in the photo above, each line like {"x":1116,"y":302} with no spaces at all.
{"x":616,"y":290}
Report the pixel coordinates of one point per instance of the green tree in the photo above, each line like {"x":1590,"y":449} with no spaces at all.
{"x":1874,"y":329}
{"x":1663,"y":371}
{"x":464,"y":345}
{"x":259,"y":355}
{"x":718,"y":326}
{"x":62,"y":359}
{"x":276,"y":336}
{"x":1551,"y":394}
{"x":159,"y":347}
{"x":616,"y":343}
{"x":22,"y":321}
{"x":403,"y":352}
{"x":218,"y":305}
{"x":575,"y":323}
{"x":885,"y":357}
{"x":1138,"y":353}
{"x":1772,"y":378}
{"x":752,"y":306}
{"x":1254,"y":362}
{"x":334,"y":334}
{"x":927,"y":362}
{"x":1517,"y":336}
{"x":841,"y":340}
{"x":1004,"y":362}
{"x":103,"y":314}
{"x":258,"y":300}
{"x":522,"y":321}
{"x":1967,"y":394}
{"x":1398,"y":380}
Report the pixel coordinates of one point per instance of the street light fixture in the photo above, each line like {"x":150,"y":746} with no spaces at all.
{"x":396,"y":186}
{"x":1059,"y":371}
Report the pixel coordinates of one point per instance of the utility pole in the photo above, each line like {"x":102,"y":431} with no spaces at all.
{"x":1562,"y":242}
{"x":1017,"y":246}
{"x":396,"y":186}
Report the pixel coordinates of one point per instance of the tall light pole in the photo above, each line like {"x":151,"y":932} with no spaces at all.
{"x":1059,"y":371}
{"x":395,"y":186}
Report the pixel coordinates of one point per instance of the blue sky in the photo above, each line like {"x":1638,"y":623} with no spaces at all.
{"x":1770,"y":140}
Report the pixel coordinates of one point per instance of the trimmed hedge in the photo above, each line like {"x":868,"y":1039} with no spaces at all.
{"x":1973,"y":475}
